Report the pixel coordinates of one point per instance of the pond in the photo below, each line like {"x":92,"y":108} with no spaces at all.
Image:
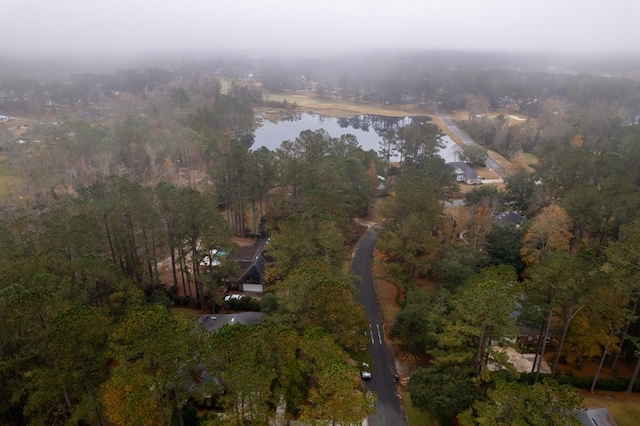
{"x":366,"y":128}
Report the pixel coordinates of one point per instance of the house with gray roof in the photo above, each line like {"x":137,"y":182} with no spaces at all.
{"x":597,"y":417}
{"x":464,"y":173}
{"x":252,"y":267}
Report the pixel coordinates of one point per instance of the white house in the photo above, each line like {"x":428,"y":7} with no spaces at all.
{"x":464,"y":173}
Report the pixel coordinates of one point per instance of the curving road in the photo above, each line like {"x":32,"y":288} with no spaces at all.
{"x":389,"y":405}
{"x":491,"y":163}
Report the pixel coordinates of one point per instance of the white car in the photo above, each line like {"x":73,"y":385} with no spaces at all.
{"x":365,"y":371}
{"x":232,"y":297}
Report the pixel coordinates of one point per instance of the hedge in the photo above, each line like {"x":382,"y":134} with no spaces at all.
{"x":616,"y":385}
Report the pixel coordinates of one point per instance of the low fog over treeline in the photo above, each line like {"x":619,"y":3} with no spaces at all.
{"x":386,"y":76}
{"x":171,"y":94}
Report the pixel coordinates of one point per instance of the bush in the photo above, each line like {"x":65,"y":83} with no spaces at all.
{"x":245,"y":303}
{"x":615,"y":384}
{"x":269,"y":303}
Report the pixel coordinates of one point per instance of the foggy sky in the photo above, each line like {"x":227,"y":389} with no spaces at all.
{"x":301,"y":26}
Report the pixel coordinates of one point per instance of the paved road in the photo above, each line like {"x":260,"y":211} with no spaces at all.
{"x":491,"y":163}
{"x":389,"y":408}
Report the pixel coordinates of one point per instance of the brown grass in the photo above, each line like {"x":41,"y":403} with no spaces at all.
{"x":624,"y":407}
{"x":389,"y":295}
{"x":339,"y":108}
{"x":9,"y":182}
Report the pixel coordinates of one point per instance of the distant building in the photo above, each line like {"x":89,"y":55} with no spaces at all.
{"x":464,"y":173}
{"x":252,"y":266}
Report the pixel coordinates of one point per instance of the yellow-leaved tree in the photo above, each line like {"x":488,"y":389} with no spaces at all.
{"x":549,"y":231}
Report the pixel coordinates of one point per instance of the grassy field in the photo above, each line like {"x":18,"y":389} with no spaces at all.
{"x":625,"y":412}
{"x":186,"y":312}
{"x":339,"y":108}
{"x":9,"y":182}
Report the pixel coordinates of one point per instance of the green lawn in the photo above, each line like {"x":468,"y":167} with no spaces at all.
{"x":8,"y":179}
{"x":416,"y":417}
{"x":189,"y":313}
{"x":626,"y":413}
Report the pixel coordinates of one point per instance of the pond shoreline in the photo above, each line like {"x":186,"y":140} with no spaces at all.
{"x":338,"y":108}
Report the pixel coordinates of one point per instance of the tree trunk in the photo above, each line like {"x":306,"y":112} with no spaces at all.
{"x":477,"y":361}
{"x":604,"y":356}
{"x":155,"y":257}
{"x":195,"y":273}
{"x":487,"y":351}
{"x":254,"y":213}
{"x":137,"y":266}
{"x":241,"y":203}
{"x":147,"y":253}
{"x":172,"y":250}
{"x":539,"y":344}
{"x":184,"y":270}
{"x":624,"y":336}
{"x":568,"y":318}
{"x":67,"y":399}
{"x":106,"y":229}
{"x":544,"y":344}
{"x":632,"y":380}
{"x":178,"y":408}
{"x":565,"y":330}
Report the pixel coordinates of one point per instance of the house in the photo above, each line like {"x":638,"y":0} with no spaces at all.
{"x":252,"y":267}
{"x":510,"y":218}
{"x":464,"y":173}
{"x":214,"y":322}
{"x":596,"y":417}
{"x":528,"y":336}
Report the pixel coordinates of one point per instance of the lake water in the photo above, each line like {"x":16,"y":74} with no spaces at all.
{"x":366,"y":128}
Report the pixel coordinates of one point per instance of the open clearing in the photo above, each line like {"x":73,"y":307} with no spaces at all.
{"x":9,"y":182}
{"x":340,"y":109}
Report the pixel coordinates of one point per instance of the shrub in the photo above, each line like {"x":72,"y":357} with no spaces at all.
{"x":607,"y":384}
{"x":245,"y":303}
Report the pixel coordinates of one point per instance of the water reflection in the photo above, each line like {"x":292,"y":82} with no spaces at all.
{"x":368,"y":129}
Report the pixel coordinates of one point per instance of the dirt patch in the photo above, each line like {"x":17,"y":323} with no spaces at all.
{"x":389,"y":295}
{"x":521,"y":362}
{"x":244,"y":242}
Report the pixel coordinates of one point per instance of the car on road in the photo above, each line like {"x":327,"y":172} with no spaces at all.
{"x":365,"y":371}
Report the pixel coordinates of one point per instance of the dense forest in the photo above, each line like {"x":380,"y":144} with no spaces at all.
{"x":142,"y":167}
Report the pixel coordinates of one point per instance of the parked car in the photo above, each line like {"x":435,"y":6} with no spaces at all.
{"x":232,"y":297}
{"x":365,"y":371}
